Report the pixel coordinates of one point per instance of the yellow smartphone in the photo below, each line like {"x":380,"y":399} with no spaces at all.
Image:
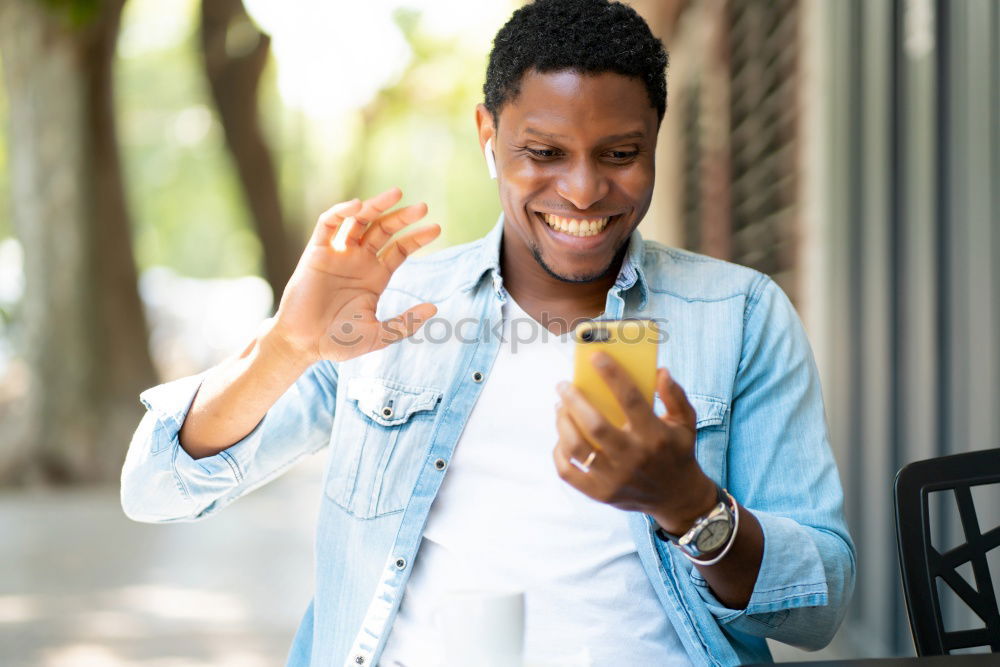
{"x":632,"y":343}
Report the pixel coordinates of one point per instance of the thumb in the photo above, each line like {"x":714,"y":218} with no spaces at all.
{"x":679,"y":409}
{"x":404,"y":325}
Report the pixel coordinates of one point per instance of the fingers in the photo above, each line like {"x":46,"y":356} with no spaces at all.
{"x":568,"y":472}
{"x":404,"y":325}
{"x":371,"y":210}
{"x":572,"y":442}
{"x":384,"y":227}
{"x":637,"y":407}
{"x":331,"y":219}
{"x":403,"y":246}
{"x":595,"y":429}
{"x":572,"y":445}
{"x":570,"y":439}
{"x":679,"y":409}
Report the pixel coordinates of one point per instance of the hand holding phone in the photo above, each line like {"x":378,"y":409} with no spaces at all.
{"x":632,"y":343}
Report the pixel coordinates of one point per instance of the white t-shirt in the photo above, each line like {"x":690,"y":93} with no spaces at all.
{"x":504,"y":520}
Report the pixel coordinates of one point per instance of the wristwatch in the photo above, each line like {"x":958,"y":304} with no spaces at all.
{"x":709,"y":532}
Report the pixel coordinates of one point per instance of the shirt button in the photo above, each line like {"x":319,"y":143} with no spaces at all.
{"x":360,"y":659}
{"x":440,"y":464}
{"x":477,"y":377}
{"x":400,"y":563}
{"x":387,"y":412}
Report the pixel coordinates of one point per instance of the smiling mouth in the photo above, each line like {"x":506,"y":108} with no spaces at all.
{"x":577,"y":226}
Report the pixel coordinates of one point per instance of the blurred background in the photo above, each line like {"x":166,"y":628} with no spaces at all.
{"x":163,"y":162}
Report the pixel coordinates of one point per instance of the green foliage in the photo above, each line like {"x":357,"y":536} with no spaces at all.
{"x":423,"y":136}
{"x":187,"y":207}
{"x":188,"y":210}
{"x":77,"y":13}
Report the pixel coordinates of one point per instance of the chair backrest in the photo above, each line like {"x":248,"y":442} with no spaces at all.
{"x":921,"y":564}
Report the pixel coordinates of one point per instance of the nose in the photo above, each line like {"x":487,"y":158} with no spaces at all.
{"x":582,"y":184}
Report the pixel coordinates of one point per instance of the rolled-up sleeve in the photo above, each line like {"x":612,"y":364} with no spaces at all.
{"x":161,"y":482}
{"x":780,"y":467}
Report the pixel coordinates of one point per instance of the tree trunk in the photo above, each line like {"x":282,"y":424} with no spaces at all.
{"x":234,"y":53}
{"x":85,"y":333}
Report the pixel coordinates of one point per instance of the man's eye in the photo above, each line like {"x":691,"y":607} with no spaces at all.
{"x":622,"y":155}
{"x":543,"y":152}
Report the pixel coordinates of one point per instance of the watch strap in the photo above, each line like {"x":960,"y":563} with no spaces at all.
{"x":723,"y":498}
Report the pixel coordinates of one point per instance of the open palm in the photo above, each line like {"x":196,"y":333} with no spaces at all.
{"x":327,"y":310}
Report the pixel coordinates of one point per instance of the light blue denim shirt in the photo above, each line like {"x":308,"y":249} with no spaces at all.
{"x":392,"y":418}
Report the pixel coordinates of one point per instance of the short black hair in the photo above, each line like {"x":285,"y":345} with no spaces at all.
{"x":587,"y":36}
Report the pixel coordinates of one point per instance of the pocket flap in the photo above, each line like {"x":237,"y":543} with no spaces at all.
{"x":709,"y":411}
{"x":389,"y":402}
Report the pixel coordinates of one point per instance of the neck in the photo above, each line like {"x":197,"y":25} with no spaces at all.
{"x":537,"y":291}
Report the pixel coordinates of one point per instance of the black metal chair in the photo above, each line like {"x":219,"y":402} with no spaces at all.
{"x":921,"y":564}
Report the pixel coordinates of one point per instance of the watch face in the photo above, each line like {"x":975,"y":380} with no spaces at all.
{"x":713,"y":535}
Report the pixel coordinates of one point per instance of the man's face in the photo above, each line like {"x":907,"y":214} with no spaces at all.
{"x":577,"y":150}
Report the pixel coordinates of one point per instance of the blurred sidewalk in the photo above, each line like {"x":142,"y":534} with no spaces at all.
{"x":81,"y":585}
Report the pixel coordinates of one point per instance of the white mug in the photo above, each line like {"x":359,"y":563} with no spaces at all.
{"x":481,"y":628}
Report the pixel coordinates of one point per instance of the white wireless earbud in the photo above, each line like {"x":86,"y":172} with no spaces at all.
{"x":491,"y":162}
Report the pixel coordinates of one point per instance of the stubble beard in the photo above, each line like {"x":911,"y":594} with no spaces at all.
{"x":579,"y":278}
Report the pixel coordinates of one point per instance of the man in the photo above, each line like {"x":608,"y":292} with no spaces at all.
{"x":711,"y":521}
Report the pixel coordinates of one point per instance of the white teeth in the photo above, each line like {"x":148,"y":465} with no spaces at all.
{"x":576,"y":227}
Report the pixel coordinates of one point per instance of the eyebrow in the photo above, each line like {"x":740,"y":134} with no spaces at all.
{"x":637,"y":134}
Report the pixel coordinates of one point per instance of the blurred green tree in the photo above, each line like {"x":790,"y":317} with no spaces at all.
{"x":188,"y":208}
{"x":420,"y":133}
{"x":85,"y":333}
{"x":234,"y":53}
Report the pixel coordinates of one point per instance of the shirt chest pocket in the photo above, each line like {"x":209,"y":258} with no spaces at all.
{"x":713,"y":434}
{"x":380,"y":439}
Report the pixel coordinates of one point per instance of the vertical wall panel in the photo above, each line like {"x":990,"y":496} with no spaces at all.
{"x":874,"y":388}
{"x":975,"y":127}
{"x":993,"y":56}
{"x":917,"y":280}
{"x":968,"y":227}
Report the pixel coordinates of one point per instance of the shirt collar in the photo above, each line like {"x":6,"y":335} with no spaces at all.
{"x":486,"y":257}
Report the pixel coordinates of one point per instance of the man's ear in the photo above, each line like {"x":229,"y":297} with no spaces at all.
{"x":484,"y":125}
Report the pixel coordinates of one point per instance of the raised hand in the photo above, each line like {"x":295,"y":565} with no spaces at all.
{"x":327,"y":310}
